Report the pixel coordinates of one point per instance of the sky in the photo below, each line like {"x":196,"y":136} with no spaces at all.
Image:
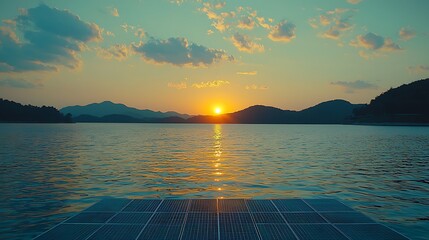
{"x":192,"y":56}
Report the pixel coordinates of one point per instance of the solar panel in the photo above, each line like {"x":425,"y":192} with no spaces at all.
{"x":303,"y":217}
{"x":117,"y":232}
{"x":109,"y":205}
{"x":317,"y":232}
{"x":369,"y":231}
{"x":268,"y":218}
{"x":220,"y":219}
{"x":292,"y":205}
{"x":326,"y":205}
{"x":275,"y":231}
{"x":232,"y":205}
{"x":91,"y":217}
{"x":203,"y":205}
{"x":346,"y":217}
{"x":69,"y":232}
{"x":174,"y":205}
{"x":131,"y":218}
{"x":142,"y":205}
{"x":261,"y":206}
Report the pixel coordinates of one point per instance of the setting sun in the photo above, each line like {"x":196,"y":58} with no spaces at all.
{"x":217,"y":110}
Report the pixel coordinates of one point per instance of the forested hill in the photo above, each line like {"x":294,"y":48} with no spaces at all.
{"x":407,"y":103}
{"x":15,"y":112}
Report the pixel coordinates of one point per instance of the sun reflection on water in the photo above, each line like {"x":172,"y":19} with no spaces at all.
{"x":217,"y":153}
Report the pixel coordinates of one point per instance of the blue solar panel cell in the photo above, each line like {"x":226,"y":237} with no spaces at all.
{"x":275,"y":231}
{"x":117,"y":232}
{"x":317,"y":232}
{"x":69,"y":232}
{"x":131,"y":218}
{"x":268,"y":218}
{"x":203,"y":205}
{"x":91,"y":217}
{"x":142,"y":205}
{"x":303,"y":217}
{"x":176,"y":205}
{"x":205,"y":231}
{"x":235,"y":218}
{"x":201,"y":218}
{"x":261,"y":206}
{"x":168,"y":218}
{"x":346,"y":217}
{"x":160,"y":232}
{"x":292,"y":205}
{"x":369,"y":232}
{"x":232,"y":205}
{"x":238,"y":232}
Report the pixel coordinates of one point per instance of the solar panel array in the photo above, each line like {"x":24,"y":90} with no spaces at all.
{"x":217,"y":219}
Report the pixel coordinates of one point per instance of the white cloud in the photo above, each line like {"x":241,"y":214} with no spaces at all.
{"x":178,"y":85}
{"x":406,"y":34}
{"x":245,"y":44}
{"x":180,"y":52}
{"x":251,"y":73}
{"x":256,"y":87}
{"x":210,"y":84}
{"x":283,"y":32}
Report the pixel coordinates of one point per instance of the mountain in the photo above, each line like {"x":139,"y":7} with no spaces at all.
{"x":408,"y":103}
{"x":15,"y":112}
{"x":109,"y":108}
{"x":330,"y":112}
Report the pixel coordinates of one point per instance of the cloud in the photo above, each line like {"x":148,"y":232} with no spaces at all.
{"x":283,"y":32}
{"x":406,"y":34}
{"x":246,"y":22}
{"x":114,"y":12}
{"x":263,"y":23}
{"x":256,"y":87}
{"x":51,"y":38}
{"x":373,"y":41}
{"x":251,"y":73}
{"x":333,"y":23}
{"x":350,"y":87}
{"x":140,"y":33}
{"x":354,"y":1}
{"x":179,"y":85}
{"x":245,"y":44}
{"x":126,"y":27}
{"x":17,"y":83}
{"x":179,"y":52}
{"x":118,"y":52}
{"x":419,"y":69}
{"x":210,"y":84}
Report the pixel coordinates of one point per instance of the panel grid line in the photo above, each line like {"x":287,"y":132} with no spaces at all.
{"x":327,"y":219}
{"x":284,"y":219}
{"x":140,"y":233}
{"x":253,"y":220}
{"x":182,"y":229}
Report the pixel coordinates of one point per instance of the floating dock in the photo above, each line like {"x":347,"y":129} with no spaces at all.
{"x":217,"y":219}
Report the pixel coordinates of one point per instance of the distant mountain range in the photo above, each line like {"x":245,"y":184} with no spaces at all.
{"x":335,"y":111}
{"x":109,"y":108}
{"x":330,"y":112}
{"x":407,"y":104}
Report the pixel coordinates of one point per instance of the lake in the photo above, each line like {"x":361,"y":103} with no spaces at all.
{"x":50,"y":171}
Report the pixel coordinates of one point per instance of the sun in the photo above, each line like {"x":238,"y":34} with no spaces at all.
{"x":217,"y":110}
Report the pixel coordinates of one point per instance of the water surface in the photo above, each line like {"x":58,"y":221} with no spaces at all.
{"x":50,"y":171}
